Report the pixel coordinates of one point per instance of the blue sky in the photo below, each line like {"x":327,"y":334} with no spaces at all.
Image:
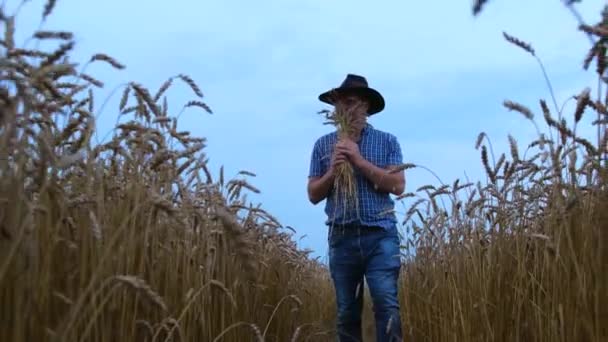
{"x":261,"y":65}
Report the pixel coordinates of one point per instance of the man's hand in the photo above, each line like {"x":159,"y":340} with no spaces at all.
{"x":336,"y":159}
{"x":350,"y":149}
{"x":319,"y":187}
{"x":381,"y":178}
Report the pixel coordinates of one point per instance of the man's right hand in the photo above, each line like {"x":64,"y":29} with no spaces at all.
{"x":319,"y":187}
{"x":336,"y":159}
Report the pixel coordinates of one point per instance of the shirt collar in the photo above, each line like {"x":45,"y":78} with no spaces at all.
{"x":366,"y":129}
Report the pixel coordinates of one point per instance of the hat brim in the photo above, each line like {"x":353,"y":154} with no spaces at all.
{"x":375,"y":99}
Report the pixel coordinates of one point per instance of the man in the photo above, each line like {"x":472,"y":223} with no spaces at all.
{"x":363,"y":241}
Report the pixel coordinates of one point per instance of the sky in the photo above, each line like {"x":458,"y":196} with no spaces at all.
{"x":261,"y":65}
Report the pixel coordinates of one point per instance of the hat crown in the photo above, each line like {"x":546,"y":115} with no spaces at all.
{"x":354,"y":81}
{"x":356,"y":85}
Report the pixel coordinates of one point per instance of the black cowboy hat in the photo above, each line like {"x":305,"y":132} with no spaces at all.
{"x":356,"y":85}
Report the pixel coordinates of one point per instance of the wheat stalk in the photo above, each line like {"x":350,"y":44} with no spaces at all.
{"x":345,"y":185}
{"x":140,"y":285}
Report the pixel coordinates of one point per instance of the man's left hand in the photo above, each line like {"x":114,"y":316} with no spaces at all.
{"x":350,"y":149}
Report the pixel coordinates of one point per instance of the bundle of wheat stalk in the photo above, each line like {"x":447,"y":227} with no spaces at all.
{"x":345,"y":185}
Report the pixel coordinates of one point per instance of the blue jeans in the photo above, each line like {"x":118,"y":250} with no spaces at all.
{"x":371,"y":252}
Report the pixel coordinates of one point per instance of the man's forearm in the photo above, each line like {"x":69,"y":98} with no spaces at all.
{"x":319,"y":188}
{"x":382,"y":178}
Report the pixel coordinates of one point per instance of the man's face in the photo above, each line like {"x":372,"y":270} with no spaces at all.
{"x":352,"y":103}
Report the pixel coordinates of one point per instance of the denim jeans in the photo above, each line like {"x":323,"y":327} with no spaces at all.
{"x":356,"y":252}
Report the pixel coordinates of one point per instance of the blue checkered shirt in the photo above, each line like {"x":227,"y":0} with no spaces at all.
{"x":374,"y":209}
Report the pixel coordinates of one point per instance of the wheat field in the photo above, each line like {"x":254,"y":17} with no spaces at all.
{"x":135,"y":240}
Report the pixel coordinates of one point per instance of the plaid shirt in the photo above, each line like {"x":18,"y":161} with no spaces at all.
{"x":381,"y":149}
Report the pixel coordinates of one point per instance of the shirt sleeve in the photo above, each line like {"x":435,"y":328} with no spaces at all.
{"x":395,"y":156}
{"x":315,"y":162}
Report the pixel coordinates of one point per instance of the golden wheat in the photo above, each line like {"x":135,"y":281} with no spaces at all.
{"x":115,"y":208}
{"x":345,"y":189}
{"x":519,"y":257}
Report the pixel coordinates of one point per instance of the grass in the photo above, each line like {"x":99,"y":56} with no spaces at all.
{"x":135,"y":240}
